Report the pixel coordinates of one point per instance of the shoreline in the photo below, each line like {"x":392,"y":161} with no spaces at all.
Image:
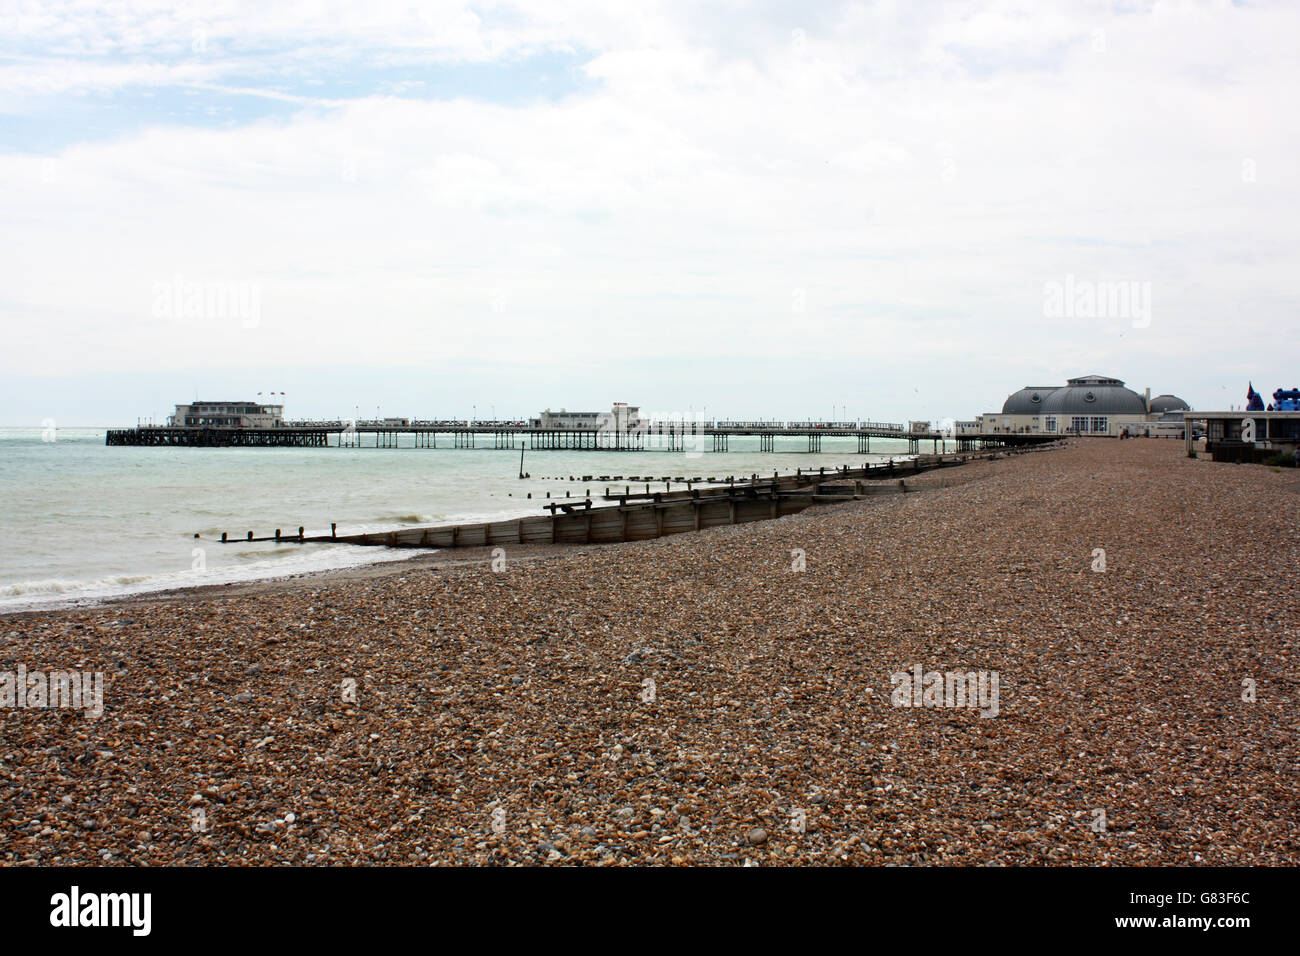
{"x":363,"y":571}
{"x":295,"y":581}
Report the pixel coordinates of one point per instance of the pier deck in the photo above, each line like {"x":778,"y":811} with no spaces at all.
{"x":514,"y":436}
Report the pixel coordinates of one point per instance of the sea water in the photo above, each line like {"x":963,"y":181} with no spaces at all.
{"x":82,"y":521}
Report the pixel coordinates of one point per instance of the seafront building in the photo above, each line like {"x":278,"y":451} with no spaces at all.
{"x":1088,"y":405}
{"x":621,"y":417}
{"x":1251,"y":435}
{"x":227,"y":415}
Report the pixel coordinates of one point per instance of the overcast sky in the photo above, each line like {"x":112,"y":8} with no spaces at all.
{"x":766,"y":209}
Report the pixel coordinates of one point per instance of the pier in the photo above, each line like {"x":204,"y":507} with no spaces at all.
{"x":644,"y":436}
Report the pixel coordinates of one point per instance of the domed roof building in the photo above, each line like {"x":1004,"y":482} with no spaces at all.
{"x":1095,"y":395}
{"x":1027,"y":401}
{"x":1088,"y":405}
{"x":1169,"y":403}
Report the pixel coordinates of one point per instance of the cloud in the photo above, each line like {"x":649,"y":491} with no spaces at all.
{"x":886,"y":182}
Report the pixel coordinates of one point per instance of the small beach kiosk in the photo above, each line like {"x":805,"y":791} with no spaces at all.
{"x":1247,"y":436}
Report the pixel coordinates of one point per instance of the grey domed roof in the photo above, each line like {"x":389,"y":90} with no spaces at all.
{"x":1094,"y":395}
{"x":1029,"y":400}
{"x":1169,"y":403}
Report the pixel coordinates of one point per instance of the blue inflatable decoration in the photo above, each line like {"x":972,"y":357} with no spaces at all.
{"x":1287,"y":400}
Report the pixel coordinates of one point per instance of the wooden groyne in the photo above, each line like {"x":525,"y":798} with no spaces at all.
{"x":640,"y":516}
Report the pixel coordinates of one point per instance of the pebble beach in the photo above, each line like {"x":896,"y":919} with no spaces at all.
{"x":714,"y":698}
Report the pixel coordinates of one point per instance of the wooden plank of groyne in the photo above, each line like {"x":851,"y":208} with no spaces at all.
{"x":537,"y":530}
{"x":676,"y":519}
{"x":606,"y":524}
{"x":716,"y":514}
{"x":570,"y":529}
{"x":642,"y":525}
